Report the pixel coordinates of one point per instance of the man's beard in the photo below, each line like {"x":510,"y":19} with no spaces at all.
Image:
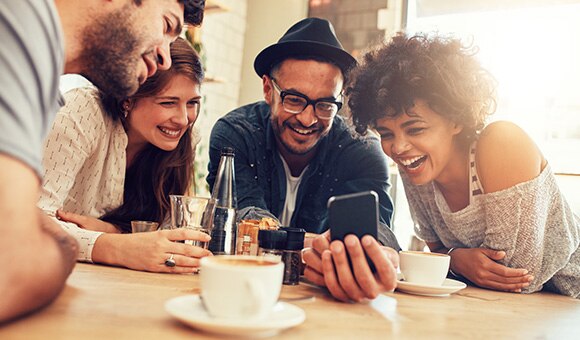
{"x":111,"y":55}
{"x":299,"y":150}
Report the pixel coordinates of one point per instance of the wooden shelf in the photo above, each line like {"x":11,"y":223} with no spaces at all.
{"x":213,"y":79}
{"x":215,"y":6}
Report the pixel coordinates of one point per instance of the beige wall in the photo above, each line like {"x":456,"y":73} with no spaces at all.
{"x":232,"y":39}
{"x":222,"y":35}
{"x":267,"y":20}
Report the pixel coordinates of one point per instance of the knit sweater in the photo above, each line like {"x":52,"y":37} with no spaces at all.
{"x":531,"y":222}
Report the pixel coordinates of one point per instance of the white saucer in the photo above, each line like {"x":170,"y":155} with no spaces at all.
{"x":449,"y":286}
{"x":189,"y":310}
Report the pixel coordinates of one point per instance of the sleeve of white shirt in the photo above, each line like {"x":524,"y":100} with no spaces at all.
{"x":71,"y":141}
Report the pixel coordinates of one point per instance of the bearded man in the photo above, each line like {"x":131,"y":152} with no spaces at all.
{"x":292,"y":151}
{"x":116,"y":44}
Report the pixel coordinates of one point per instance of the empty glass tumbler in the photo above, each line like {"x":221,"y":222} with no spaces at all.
{"x":192,"y":213}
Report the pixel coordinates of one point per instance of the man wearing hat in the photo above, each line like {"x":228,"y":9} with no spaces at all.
{"x":292,"y":151}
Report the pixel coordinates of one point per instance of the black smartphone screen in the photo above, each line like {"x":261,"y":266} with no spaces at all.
{"x":356,"y":214}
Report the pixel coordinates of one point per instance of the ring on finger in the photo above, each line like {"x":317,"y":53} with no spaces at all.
{"x":170,"y":262}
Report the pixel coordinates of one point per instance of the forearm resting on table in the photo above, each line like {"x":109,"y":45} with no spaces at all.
{"x":108,"y":249}
{"x":35,"y":267}
{"x":36,"y":259}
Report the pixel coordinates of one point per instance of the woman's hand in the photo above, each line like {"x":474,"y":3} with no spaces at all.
{"x":327,"y":265}
{"x":87,"y":222}
{"x":148,"y":251}
{"x":479,"y":266}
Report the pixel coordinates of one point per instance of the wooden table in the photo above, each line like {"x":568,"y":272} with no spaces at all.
{"x":102,"y":302}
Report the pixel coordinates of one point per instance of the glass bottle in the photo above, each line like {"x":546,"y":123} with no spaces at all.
{"x":272,"y":243}
{"x":223,"y":233}
{"x":292,"y":256}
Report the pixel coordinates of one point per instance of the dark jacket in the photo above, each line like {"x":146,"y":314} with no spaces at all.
{"x":343,"y":164}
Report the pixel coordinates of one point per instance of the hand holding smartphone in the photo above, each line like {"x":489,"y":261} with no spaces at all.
{"x":356,"y":214}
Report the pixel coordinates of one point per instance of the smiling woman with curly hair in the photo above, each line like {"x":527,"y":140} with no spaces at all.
{"x":484,"y":194}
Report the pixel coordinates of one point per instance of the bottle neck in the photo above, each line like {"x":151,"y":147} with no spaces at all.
{"x":224,"y":190}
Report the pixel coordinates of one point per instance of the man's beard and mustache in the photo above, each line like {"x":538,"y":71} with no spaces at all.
{"x":297,"y":150}
{"x":110,"y":54}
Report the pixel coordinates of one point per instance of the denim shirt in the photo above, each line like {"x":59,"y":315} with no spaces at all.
{"x":343,"y":164}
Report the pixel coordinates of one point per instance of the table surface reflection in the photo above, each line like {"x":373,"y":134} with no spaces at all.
{"x":114,"y":303}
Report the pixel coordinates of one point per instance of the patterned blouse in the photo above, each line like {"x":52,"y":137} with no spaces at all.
{"x":84,"y":164}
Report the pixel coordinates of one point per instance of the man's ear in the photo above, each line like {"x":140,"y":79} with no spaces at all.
{"x":267,"y":89}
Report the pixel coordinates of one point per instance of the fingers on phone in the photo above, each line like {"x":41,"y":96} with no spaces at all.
{"x":362,"y":272}
{"x":382,"y":258}
{"x":345,"y":274}
{"x":312,"y":260}
{"x":314,"y":276}
{"x":330,"y":278}
{"x":320,"y":244}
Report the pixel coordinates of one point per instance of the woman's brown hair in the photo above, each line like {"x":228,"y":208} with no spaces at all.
{"x":155,"y":174}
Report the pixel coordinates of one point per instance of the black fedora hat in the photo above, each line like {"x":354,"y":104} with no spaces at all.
{"x":310,"y":36}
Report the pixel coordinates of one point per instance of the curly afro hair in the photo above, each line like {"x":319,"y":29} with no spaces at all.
{"x":439,"y":70}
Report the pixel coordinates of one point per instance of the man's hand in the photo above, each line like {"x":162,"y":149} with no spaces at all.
{"x":87,"y":222}
{"x":327,"y":265}
{"x":479,"y":266}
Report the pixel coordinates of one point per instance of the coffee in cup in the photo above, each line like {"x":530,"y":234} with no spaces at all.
{"x":424,"y":268}
{"x":240,"y":287}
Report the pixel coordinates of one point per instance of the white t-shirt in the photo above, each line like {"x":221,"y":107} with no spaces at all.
{"x":292,"y":184}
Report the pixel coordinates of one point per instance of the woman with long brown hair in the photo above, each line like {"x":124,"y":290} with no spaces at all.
{"x":109,"y":161}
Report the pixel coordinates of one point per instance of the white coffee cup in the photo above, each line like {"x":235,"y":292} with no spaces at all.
{"x":240,"y":287}
{"x":424,"y":268}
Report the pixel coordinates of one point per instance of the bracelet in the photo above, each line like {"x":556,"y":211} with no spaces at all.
{"x":450,"y":270}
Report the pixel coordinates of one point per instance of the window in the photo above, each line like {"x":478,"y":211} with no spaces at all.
{"x":533,"y":52}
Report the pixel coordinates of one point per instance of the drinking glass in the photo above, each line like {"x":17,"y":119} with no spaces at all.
{"x":192,"y":213}
{"x":143,"y":226}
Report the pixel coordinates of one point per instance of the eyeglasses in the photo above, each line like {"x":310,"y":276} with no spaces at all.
{"x":295,"y":103}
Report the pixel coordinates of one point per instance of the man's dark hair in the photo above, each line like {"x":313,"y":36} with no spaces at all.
{"x":193,"y":13}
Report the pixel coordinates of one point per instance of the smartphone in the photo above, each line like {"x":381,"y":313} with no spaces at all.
{"x":356,"y":214}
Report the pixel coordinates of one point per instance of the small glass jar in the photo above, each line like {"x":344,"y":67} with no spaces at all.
{"x":247,"y":242}
{"x":272,"y":243}
{"x":292,"y":256}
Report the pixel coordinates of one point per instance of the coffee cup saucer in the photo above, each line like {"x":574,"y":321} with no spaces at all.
{"x":449,"y":286}
{"x":190,"y":310}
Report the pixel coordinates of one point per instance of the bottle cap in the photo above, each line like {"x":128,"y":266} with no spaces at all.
{"x":294,"y":238}
{"x":227,"y":151}
{"x":272,"y":239}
